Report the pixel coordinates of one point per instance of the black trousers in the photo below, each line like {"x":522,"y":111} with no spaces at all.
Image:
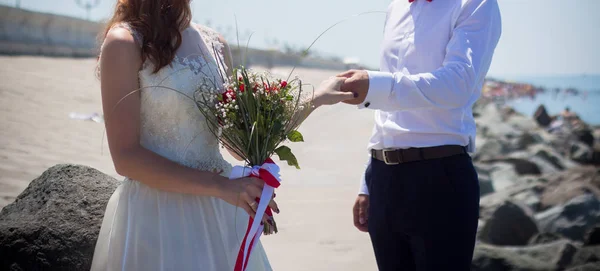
{"x":423,"y":215}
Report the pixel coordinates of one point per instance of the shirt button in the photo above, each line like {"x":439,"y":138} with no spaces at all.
{"x":367,"y":104}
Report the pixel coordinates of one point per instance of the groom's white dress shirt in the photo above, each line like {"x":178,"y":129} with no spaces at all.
{"x":434,"y":59}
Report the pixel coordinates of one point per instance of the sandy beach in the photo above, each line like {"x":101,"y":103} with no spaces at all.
{"x":37,"y":94}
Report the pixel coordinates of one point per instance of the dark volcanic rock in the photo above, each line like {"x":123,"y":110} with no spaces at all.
{"x":486,"y":185}
{"x":592,"y":237}
{"x":525,"y":167}
{"x":586,"y":136}
{"x":541,"y":116}
{"x":586,"y":267}
{"x":551,"y":158}
{"x":573,"y":219}
{"x":489,"y":203}
{"x":586,"y":255}
{"x":54,"y":223}
{"x":545,"y":238}
{"x":560,"y":193}
{"x":552,"y":256}
{"x":556,"y":255}
{"x":504,"y":176}
{"x":521,"y":166}
{"x":558,"y":189}
{"x":582,"y":153}
{"x":490,"y":148}
{"x":510,"y":225}
{"x":526,"y":140}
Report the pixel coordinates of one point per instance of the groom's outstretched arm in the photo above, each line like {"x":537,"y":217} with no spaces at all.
{"x":468,"y":57}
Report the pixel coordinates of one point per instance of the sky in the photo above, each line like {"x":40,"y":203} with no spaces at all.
{"x":540,"y":37}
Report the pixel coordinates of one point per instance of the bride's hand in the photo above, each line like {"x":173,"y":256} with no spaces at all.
{"x":330,"y":92}
{"x":243,"y":192}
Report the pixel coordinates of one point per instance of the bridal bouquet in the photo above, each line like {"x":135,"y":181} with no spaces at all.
{"x":252,"y":115}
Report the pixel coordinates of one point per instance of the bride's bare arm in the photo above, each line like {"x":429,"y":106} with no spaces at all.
{"x":119,"y":65}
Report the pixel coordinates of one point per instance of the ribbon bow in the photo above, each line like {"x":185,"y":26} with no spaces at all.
{"x":269,"y":173}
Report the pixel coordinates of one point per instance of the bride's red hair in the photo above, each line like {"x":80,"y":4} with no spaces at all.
{"x":159,"y":24}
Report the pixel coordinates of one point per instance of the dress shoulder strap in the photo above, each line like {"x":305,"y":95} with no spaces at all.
{"x":136,"y":35}
{"x":211,"y":36}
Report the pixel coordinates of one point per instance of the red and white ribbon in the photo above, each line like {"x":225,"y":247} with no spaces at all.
{"x":269,"y":173}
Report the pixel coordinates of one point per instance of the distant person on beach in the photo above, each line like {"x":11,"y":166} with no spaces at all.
{"x":572,"y":120}
{"x":419,"y":198}
{"x":567,"y":115}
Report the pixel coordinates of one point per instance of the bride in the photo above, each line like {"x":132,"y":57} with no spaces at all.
{"x":175,"y":210}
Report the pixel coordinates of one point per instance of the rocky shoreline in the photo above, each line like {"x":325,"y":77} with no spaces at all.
{"x":540,"y":202}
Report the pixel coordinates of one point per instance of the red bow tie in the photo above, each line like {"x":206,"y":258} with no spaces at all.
{"x":410,"y":1}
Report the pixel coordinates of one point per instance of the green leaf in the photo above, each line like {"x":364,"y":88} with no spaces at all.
{"x":295,"y":136}
{"x":285,"y":154}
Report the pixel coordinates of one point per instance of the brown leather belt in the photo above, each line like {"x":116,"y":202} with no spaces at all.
{"x":399,"y":156}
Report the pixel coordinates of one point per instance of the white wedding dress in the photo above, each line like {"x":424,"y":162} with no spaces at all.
{"x":149,"y":229}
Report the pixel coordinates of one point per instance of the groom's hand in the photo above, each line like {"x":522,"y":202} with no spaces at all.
{"x":361,"y":213}
{"x":329,"y":92}
{"x":357,"y":81}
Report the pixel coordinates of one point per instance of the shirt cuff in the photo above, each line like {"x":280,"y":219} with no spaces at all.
{"x":380,"y":88}
{"x":364,"y":190}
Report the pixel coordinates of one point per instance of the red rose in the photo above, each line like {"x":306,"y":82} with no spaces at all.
{"x":242,"y":87}
{"x":283,"y":84}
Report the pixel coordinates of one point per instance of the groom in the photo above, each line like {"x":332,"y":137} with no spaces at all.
{"x":419,"y":198}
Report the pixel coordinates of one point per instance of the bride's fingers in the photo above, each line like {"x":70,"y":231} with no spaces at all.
{"x":346,"y":74}
{"x":248,"y":210}
{"x":265,"y":219}
{"x":253,"y":205}
{"x":251,"y":209}
{"x":274,"y":206}
{"x":344,"y":96}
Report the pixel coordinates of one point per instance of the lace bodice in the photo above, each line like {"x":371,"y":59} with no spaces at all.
{"x":171,"y":124}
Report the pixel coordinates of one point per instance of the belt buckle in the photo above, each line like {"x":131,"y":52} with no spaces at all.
{"x":385,"y":157}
